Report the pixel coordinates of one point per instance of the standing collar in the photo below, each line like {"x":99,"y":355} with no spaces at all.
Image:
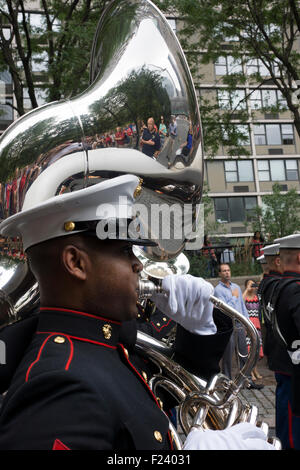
{"x":79,"y":325}
{"x":291,"y":274}
{"x":223,"y":284}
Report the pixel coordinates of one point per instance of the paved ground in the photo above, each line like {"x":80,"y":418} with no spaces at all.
{"x":264,"y":399}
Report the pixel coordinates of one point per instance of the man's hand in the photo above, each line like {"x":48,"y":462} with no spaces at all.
{"x":243,"y":436}
{"x":186,"y":301}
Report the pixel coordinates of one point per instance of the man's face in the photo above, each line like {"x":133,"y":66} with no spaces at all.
{"x":225,"y":273}
{"x":113,"y":280}
{"x":150,"y":124}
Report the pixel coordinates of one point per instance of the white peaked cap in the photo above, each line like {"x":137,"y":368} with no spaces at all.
{"x":79,"y":211}
{"x":290,"y":241}
{"x":271,"y":250}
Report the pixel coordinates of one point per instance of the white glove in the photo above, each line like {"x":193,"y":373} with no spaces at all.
{"x":243,"y":436}
{"x":186,"y":301}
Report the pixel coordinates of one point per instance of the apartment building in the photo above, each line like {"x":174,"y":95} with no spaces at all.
{"x":236,"y":184}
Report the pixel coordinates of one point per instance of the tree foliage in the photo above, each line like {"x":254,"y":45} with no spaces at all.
{"x":267,"y":30}
{"x":279,"y":215}
{"x":60,"y":42}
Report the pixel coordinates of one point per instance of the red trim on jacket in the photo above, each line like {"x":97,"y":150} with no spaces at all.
{"x":41,"y":350}
{"x":71,"y":353}
{"x":38,"y":357}
{"x":76,"y":337}
{"x":164,"y":326}
{"x":290,"y":425}
{"x":145,"y":383}
{"x":58,"y":445}
{"x":56,"y":309}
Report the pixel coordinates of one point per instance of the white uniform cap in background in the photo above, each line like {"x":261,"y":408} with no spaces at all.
{"x":261,"y":259}
{"x":290,"y":241}
{"x":271,"y":250}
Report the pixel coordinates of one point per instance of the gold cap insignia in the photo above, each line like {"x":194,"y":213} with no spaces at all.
{"x":69,"y":226}
{"x":138,"y":189}
{"x":107,"y":331}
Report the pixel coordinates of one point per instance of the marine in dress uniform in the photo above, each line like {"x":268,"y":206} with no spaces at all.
{"x":73,"y":384}
{"x":278,"y":359}
{"x":285,"y":318}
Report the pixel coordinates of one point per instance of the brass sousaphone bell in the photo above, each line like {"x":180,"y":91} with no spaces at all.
{"x":138,"y":71}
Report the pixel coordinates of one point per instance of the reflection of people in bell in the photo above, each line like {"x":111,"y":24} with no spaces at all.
{"x":173,"y":135}
{"x":150,"y":140}
{"x":162,"y":131}
{"x":185,"y":149}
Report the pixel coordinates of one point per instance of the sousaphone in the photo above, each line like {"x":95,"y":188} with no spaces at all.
{"x":138,"y":71}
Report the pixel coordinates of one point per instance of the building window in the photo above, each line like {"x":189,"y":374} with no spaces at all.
{"x":274,"y":134}
{"x":234,"y":209}
{"x":238,"y":170}
{"x":227,"y":65}
{"x":172,"y":23}
{"x":277,"y":170}
{"x":40,"y":94}
{"x":234,"y":100}
{"x":238,"y":132}
{"x":256,"y":66}
{"x":260,"y":99}
{"x":6,"y":109}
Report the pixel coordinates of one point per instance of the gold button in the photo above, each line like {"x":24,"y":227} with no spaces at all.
{"x":160,"y":403}
{"x":158,"y":324}
{"x":164,"y":319}
{"x":59,"y":339}
{"x":69,"y":226}
{"x":158,"y":436}
{"x":126,"y":353}
{"x":144,"y":376}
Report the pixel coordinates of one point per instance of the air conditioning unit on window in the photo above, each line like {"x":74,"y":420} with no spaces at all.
{"x":241,"y":189}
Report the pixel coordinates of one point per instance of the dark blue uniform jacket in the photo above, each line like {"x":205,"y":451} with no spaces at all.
{"x":75,"y":382}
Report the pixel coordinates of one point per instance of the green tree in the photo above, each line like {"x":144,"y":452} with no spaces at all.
{"x":267,"y":30}
{"x":59,"y":38}
{"x":280,"y":214}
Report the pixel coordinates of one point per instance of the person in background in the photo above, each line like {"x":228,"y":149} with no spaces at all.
{"x":209,"y":253}
{"x":252,"y":304}
{"x":150,"y":140}
{"x":257,"y":243}
{"x":231,"y":294}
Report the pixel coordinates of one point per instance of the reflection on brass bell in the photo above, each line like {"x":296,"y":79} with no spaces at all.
{"x":138,"y":189}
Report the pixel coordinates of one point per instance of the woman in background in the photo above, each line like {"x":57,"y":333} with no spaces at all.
{"x":252,"y":304}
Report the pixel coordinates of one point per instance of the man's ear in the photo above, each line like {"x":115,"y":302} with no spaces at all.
{"x":75,"y":262}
